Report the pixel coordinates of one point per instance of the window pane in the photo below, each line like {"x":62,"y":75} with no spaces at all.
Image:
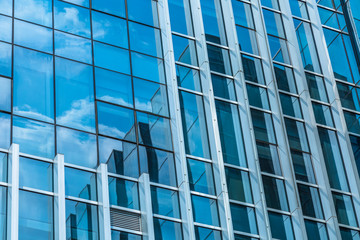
{"x":115,"y":235}
{"x":5,"y":128}
{"x":147,"y":67}
{"x":123,"y":193}
{"x":33,"y":72}
{"x":263,"y":126}
{"x":5,"y":28}
{"x":243,"y":14}
{"x":80,"y":184}
{"x":298,"y":9}
{"x":74,"y":95}
{"x":201,"y":177}
{"x":349,"y":98}
{"x":3,"y":169}
{"x":344,"y":209}
{"x":219,"y":60}
{"x":243,"y":219}
{"x":207,"y":234}
{"x":271,"y":4}
{"x":36,"y":213}
{"x":323,"y":114}
{"x":352,"y":122}
{"x":316,"y":87}
{"x":303,"y":167}
{"x":296,"y":135}
{"x":147,"y":13}
{"x":278,"y":49}
{"x":281,"y":226}
{"x":258,"y":96}
{"x":188,"y":78}
{"x":5,"y":94}
{"x":285,"y":78}
{"x":145,"y":39}
{"x":269,"y":158}
{"x":36,"y":174}
{"x":205,"y":210}
{"x":113,"y":58}
{"x":116,"y":7}
{"x":194,"y":125}
{"x":180,"y":14}
{"x":26,"y":9}
{"x":165,"y":230}
{"x":290,"y":105}
{"x":79,"y":148}
{"x":275,"y":193}
{"x":3,"y":207}
{"x":238,"y":183}
{"x":5,"y":59}
{"x":81,"y":221}
{"x":316,"y":231}
{"x":310,"y":201}
{"x":184,"y":50}
{"x":165,"y":202}
{"x":253,"y":70}
{"x":247,"y":40}
{"x":6,"y":7}
{"x":35,"y":138}
{"x":223,"y":87}
{"x":349,"y":234}
{"x":273,"y":23}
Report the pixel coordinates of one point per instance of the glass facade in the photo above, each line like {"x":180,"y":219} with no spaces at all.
{"x":179,"y":119}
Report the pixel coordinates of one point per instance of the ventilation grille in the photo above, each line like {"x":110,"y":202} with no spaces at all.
{"x":127,"y":220}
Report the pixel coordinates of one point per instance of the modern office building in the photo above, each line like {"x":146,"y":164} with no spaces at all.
{"x":179,"y":119}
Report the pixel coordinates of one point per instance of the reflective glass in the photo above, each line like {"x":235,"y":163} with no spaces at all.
{"x":81,"y":221}
{"x":275,"y":193}
{"x":123,"y":193}
{"x":278,"y":49}
{"x":243,"y":219}
{"x":33,"y":36}
{"x":184,"y":50}
{"x":247,"y":40}
{"x":223,"y":87}
{"x":243,"y":14}
{"x":154,"y":131}
{"x":3,"y":173}
{"x":316,"y":87}
{"x":258,"y":96}
{"x":116,"y":121}
{"x":269,"y":158}
{"x":84,"y":3}
{"x":316,"y":231}
{"x":355,"y":143}
{"x":285,"y":78}
{"x":115,"y":235}
{"x":36,"y":213}
{"x":352,"y":122}
{"x":26,"y":9}
{"x":115,"y":7}
{"x":349,"y":98}
{"x":180,"y":14}
{"x":219,"y":60}
{"x":159,"y":165}
{"x":6,"y":7}
{"x":113,"y":87}
{"x":323,"y":114}
{"x":5,"y":94}
{"x":165,"y":230}
{"x":145,"y":39}
{"x":5,"y":59}
{"x":296,"y":135}
{"x":80,"y":184}
{"x":344,"y":209}
{"x":5,"y":128}
{"x":74,"y":95}
{"x":73,"y":47}
{"x":5,"y":28}
{"x":253,"y":70}
{"x":147,"y":67}
{"x":72,"y":19}
{"x":238,"y":184}
{"x":273,"y":23}
{"x":188,"y":78}
{"x":35,"y":174}
{"x":205,"y":210}
{"x":230,"y":133}
{"x":194,"y":125}
{"x":310,"y":201}
{"x":263,"y":126}
{"x":271,"y":4}
{"x":113,"y":58}
{"x":109,"y":29}
{"x":303,"y":166}
{"x":150,"y":97}
{"x":78,"y":147}
{"x":120,"y":157}
{"x":165,"y":202}
{"x":281,"y":226}
{"x":3,"y":207}
{"x":298,"y":9}
{"x":349,"y":234}
{"x":35,"y":138}
{"x":207,"y":234}
{"x":290,"y":105}
{"x":201,"y":177}
{"x":147,"y":13}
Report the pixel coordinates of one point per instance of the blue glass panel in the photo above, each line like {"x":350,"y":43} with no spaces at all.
{"x":298,"y":9}
{"x":78,"y":147}
{"x":72,"y":19}
{"x":115,"y":235}
{"x":73,"y":47}
{"x":116,"y":121}
{"x":205,"y":210}
{"x":113,"y":58}
{"x":310,"y":201}
{"x":349,"y":234}
{"x":253,"y":70}
{"x":269,"y":158}
{"x":345,"y":209}
{"x":275,"y":193}
{"x":5,"y":28}
{"x":120,"y":157}
{"x":180,"y":14}
{"x":113,"y":87}
{"x":36,"y":11}
{"x":80,"y":184}
{"x":243,"y":14}
{"x":36,"y":174}
{"x":271,"y":4}
{"x":150,"y":97}
{"x":5,"y":59}
{"x":243,"y":219}
{"x":35,"y":138}
{"x":5,"y":128}
{"x":81,"y":221}
{"x":290,"y":105}
{"x":148,"y":67}
{"x":349,"y":98}
{"x":188,"y":78}
{"x":33,"y":36}
{"x":154,"y":131}
{"x":165,"y":230}
{"x":316,"y":231}
{"x":285,"y":78}
{"x":303,"y":166}
{"x":123,"y":193}
{"x":5,"y":94}
{"x":36,"y":216}
{"x":323,"y":114}
{"x":145,"y":39}
{"x":279,"y":50}
{"x":273,"y":23}
{"x":3,"y":207}
{"x":219,"y":60}
{"x":263,"y":126}
{"x":165,"y":202}
{"x":201,"y":177}
{"x":3,"y":174}
{"x":33,"y":72}
{"x":296,"y":135}
{"x":147,"y":13}
{"x":316,"y":87}
{"x":238,"y":184}
{"x":184,"y":50}
{"x":84,"y":3}
{"x":6,"y":7}
{"x":247,"y":40}
{"x":258,"y":96}
{"x":116,"y":7}
{"x":281,"y":226}
{"x":207,"y":234}
{"x":223,"y":87}
{"x":109,"y":29}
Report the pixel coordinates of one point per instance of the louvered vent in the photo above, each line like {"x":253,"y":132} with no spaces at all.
{"x":127,"y":220}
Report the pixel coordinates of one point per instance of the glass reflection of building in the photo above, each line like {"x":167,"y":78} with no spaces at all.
{"x":179,"y":119}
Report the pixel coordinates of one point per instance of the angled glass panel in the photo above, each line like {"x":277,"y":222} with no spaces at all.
{"x":344,"y":209}
{"x":316,"y":87}
{"x":147,"y":13}
{"x":184,"y":50}
{"x":279,"y":50}
{"x":165,"y":230}
{"x":145,"y":39}
{"x":5,"y":129}
{"x":120,"y":157}
{"x":296,"y":135}
{"x":298,"y":9}
{"x":243,"y":14}
{"x":33,"y":36}
{"x":159,"y":165}
{"x":73,"y":47}
{"x":116,"y":121}
{"x":75,"y":105}
{"x":35,"y":138}
{"x":201,"y":177}
{"x":303,"y":167}
{"x":165,"y":202}
{"x":238,"y":184}
{"x":232,"y":143}
{"x":188,"y":78}
{"x":72,"y":19}
{"x":150,"y":97}
{"x":81,"y":221}
{"x":112,"y":58}
{"x":285,"y":78}
{"x":5,"y":28}
{"x":290,"y":105}
{"x":258,"y":96}
{"x":243,"y":219}
{"x":219,"y":59}
{"x":247,"y":40}
{"x":3,"y":207}
{"x":154,"y":131}
{"x":35,"y":174}
{"x":109,"y":29}
{"x":147,"y":67}
{"x":80,"y":184}
{"x":263,"y":126}
{"x":113,"y":87}
{"x":5,"y":59}
{"x":115,"y":7}
{"x":323,"y":114}
{"x":253,"y":70}
{"x":194,"y":125}
{"x":281,"y":226}
{"x":310,"y":201}
{"x":275,"y":193}
{"x":36,"y":216}
{"x":123,"y":193}
{"x":36,"y":11}
{"x":78,"y":147}
{"x":223,"y":87}
{"x":180,"y":14}
{"x":205,"y":210}
{"x":5,"y":94}
{"x":273,"y":23}
{"x":269,"y":158}
{"x":207,"y":234}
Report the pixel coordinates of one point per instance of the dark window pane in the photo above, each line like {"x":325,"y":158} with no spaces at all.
{"x":275,"y":193}
{"x":310,"y":201}
{"x":281,"y":226}
{"x":238,"y":183}
{"x":165,"y":230}
{"x":243,"y":219}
